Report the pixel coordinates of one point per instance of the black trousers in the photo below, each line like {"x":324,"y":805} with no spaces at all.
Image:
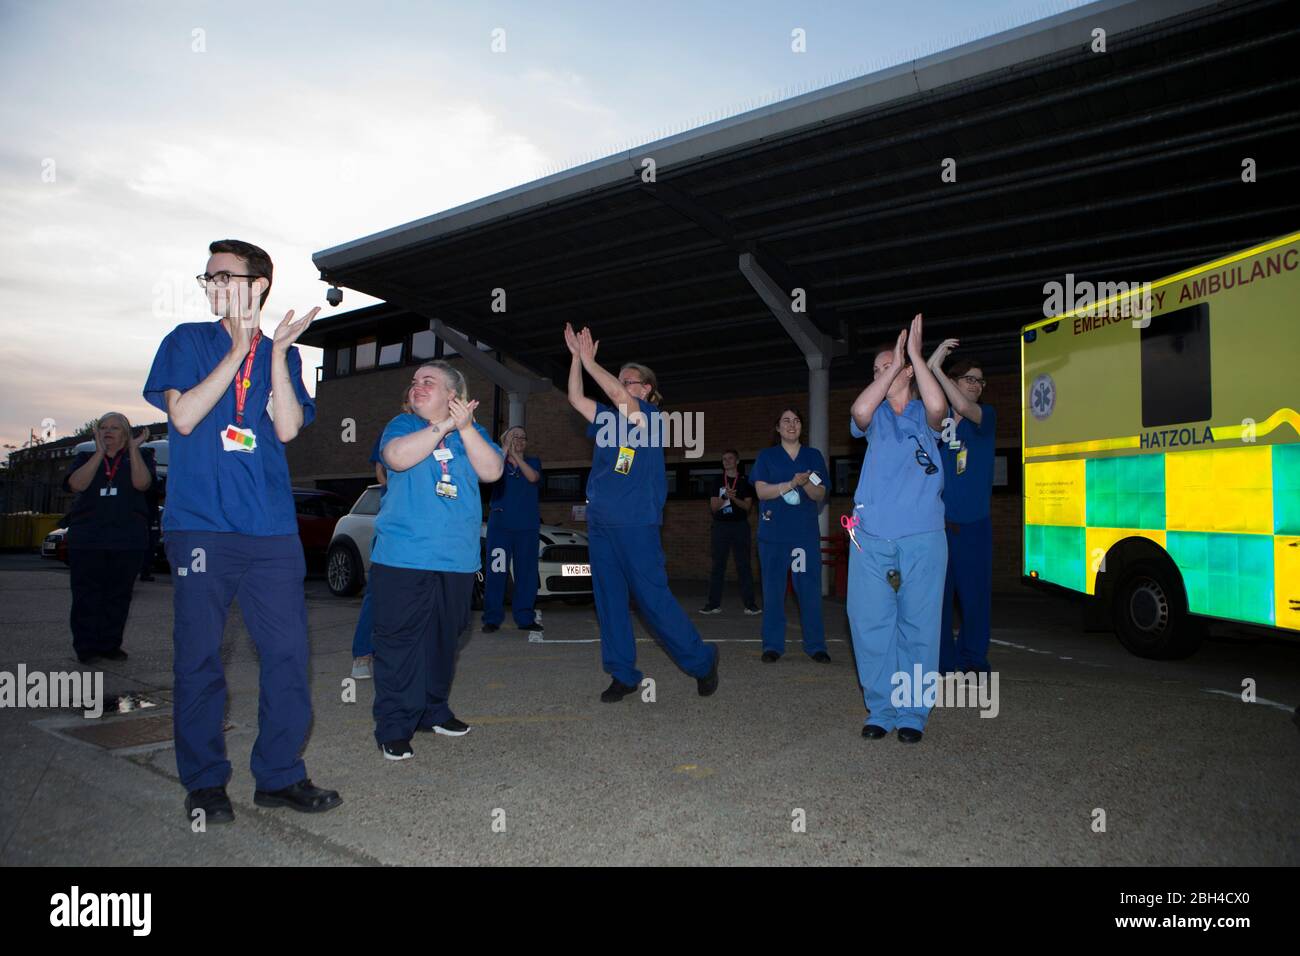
{"x":731,"y":537}
{"x":102,"y":581}
{"x":418,"y":620}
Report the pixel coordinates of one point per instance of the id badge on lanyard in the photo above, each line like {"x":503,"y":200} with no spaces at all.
{"x":445,"y":488}
{"x":110,"y":490}
{"x":235,"y":437}
{"x":961,"y":458}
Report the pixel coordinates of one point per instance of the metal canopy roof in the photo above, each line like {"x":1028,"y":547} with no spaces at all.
{"x":1117,"y":166}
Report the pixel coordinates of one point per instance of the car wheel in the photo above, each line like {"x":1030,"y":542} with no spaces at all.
{"x":343,"y":570}
{"x":1150,"y":615}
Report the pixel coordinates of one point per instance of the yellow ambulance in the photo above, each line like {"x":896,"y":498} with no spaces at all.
{"x":1161,"y":447}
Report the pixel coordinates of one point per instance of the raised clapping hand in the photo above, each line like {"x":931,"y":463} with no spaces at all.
{"x":914,"y":341}
{"x":587,"y":346}
{"x":942,"y":352}
{"x":462,"y":413}
{"x":140,"y":437}
{"x":800,"y":479}
{"x":571,"y":340}
{"x":287,"y":332}
{"x":899,"y":352}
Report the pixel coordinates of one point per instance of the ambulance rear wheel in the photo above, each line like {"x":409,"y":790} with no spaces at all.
{"x":1150,"y":614}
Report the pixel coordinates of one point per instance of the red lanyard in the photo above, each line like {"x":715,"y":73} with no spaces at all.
{"x":243,"y":382}
{"x":731,"y":485}
{"x":112,"y":472}
{"x":445,"y":474}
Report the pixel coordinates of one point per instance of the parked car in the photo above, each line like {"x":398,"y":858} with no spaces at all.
{"x":563,"y":563}
{"x":318,"y":513}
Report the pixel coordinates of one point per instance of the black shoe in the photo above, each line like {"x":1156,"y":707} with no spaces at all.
{"x":213,"y":802}
{"x":709,"y":682}
{"x":909,"y":735}
{"x":301,"y":796}
{"x":489,"y":628}
{"x":116,"y":654}
{"x":771,"y":657}
{"x":710,"y":609}
{"x":397,"y":750}
{"x":821,"y":657}
{"x":616,"y":691}
{"x":532,"y":627}
{"x":451,"y":727}
{"x":752,"y":609}
{"x":872,"y":732}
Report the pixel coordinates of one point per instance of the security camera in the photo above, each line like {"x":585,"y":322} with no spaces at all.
{"x":334,"y":296}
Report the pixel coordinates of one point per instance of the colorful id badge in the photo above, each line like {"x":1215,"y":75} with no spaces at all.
{"x":624,"y":464}
{"x":961,"y":459}
{"x":445,"y":489}
{"x":442,"y":454}
{"x":238,"y":439}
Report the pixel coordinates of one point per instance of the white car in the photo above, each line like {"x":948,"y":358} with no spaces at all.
{"x":563,"y":564}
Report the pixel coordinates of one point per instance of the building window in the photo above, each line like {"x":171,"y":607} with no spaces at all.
{"x":564,"y":485}
{"x":424,"y":345}
{"x":391,"y":354}
{"x":366,"y":353}
{"x":343,"y":364}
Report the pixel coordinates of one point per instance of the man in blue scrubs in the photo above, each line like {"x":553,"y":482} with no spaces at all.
{"x":789,"y":538}
{"x":625,"y":500}
{"x":514,"y":517}
{"x":967,"y":490}
{"x":231,"y":532}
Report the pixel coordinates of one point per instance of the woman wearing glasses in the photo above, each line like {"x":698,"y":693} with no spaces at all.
{"x":425,"y":554}
{"x":625,"y":504}
{"x":898,"y":556}
{"x":967,"y":488}
{"x":790,"y":482}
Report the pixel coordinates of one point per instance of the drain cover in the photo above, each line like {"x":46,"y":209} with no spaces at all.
{"x":121,"y":734}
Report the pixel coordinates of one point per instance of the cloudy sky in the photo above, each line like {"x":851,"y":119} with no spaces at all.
{"x":135,"y":132}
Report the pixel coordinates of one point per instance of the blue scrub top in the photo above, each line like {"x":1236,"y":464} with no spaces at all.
{"x":514,"y":503}
{"x":779,"y":520}
{"x":636,"y":496}
{"x":117,"y":522}
{"x":419,"y":528}
{"x":209,"y":488}
{"x":895,"y":496}
{"x":966,"y":496}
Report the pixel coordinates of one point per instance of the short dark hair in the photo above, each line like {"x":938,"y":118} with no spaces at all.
{"x":731,"y":451}
{"x":964,"y":364}
{"x":259,"y":263}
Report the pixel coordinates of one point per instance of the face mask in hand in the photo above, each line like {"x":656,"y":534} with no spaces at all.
{"x":792,"y":496}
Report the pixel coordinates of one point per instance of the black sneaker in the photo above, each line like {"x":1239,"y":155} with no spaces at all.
{"x":771,"y":657}
{"x":116,"y":654}
{"x":451,"y":727}
{"x":213,"y":802}
{"x":397,"y":750}
{"x":616,"y":691}
{"x":489,"y":628}
{"x":301,"y":796}
{"x":752,"y":610}
{"x":821,"y":657}
{"x":532,"y":627}
{"x":709,"y":682}
{"x":710,"y":609}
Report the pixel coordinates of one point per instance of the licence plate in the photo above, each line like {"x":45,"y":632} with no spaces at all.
{"x":576,"y":570}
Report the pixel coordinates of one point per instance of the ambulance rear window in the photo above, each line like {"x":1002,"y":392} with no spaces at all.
{"x":1176,"y":367}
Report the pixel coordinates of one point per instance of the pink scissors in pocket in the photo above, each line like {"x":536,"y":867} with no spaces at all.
{"x":848,"y":523}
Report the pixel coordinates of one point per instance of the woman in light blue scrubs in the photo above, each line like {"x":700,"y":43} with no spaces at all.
{"x":625,"y":503}
{"x":898,"y":555}
{"x":790,"y":481}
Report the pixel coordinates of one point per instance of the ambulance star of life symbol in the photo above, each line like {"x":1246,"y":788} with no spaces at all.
{"x":1042,"y":397}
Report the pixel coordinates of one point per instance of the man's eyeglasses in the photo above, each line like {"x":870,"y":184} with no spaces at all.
{"x":972,"y":380}
{"x":924,"y":459}
{"x":221,"y":279}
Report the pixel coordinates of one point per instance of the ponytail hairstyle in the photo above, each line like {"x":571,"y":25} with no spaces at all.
{"x":647,"y":376}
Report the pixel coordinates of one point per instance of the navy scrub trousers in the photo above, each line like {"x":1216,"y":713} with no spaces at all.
{"x":776,"y":559}
{"x":419,"y":617}
{"x":266,"y":574}
{"x":519,"y":549}
{"x":731,"y":538}
{"x":630,"y":559}
{"x":970,"y":575}
{"x":102,"y":581}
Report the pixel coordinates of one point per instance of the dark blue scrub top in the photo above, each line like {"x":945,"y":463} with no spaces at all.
{"x":117,"y":522}
{"x":966,"y":496}
{"x":417,"y":527}
{"x":615,"y":499}
{"x":778,"y":520}
{"x":208,"y":488}
{"x":514,"y":503}
{"x":895,"y":497}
